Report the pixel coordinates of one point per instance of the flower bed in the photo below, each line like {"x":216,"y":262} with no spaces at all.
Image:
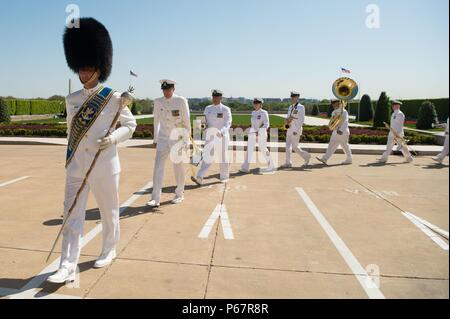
{"x":312,"y":134}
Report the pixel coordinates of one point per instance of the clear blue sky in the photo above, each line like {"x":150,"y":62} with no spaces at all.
{"x":244,"y":47}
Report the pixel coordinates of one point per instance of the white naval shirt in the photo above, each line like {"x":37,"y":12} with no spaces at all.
{"x":397,"y":122}
{"x":108,"y":162}
{"x":260,"y":119}
{"x":170,"y":114}
{"x":344,"y":121}
{"x":299,"y":113}
{"x":219,"y":117}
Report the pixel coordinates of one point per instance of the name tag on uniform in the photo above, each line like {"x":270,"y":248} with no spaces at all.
{"x":175,"y":113}
{"x":220,"y":115}
{"x":258,"y":117}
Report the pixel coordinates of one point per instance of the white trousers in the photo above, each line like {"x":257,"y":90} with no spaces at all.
{"x":106,"y":193}
{"x":219,"y":144}
{"x":261,"y":140}
{"x":336,"y":141}
{"x":444,"y":152}
{"x":293,"y":143}
{"x":390,"y":145}
{"x":162,"y":153}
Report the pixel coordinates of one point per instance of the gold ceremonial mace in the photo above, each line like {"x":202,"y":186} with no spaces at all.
{"x":125,"y":99}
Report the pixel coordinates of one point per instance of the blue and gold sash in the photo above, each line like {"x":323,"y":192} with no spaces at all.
{"x":85,"y":118}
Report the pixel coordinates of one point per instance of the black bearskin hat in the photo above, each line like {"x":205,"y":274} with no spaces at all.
{"x":89,"y":46}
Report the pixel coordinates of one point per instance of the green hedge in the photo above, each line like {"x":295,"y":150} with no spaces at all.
{"x":11,"y":105}
{"x":23,"y":107}
{"x":47,"y":107}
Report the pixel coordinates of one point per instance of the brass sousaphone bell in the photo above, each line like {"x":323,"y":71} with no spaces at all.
{"x":345,"y":89}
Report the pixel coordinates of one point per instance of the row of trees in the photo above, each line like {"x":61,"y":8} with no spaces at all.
{"x":426,"y":118}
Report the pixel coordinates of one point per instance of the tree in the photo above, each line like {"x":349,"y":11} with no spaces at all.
{"x":383,"y":111}
{"x":330,"y":111}
{"x":365,"y":109}
{"x":427,"y":116}
{"x":315,"y":110}
{"x":134,"y":109}
{"x":4,"y":112}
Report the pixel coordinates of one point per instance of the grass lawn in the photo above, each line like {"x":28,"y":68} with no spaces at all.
{"x":244,"y":120}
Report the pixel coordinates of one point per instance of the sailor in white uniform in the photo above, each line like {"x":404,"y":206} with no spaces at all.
{"x":171,"y":124}
{"x":258,"y":135}
{"x":440,"y":158}
{"x":397,"y":124}
{"x":294,"y":132}
{"x":339,"y":137}
{"x":90,"y":113}
{"x":218,"y":121}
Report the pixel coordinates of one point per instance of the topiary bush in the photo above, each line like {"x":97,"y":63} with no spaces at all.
{"x":383,"y":111}
{"x":4,"y":112}
{"x":365,"y":109}
{"x":427,"y":116}
{"x":315,"y":110}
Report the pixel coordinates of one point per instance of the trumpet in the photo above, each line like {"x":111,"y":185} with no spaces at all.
{"x":288,"y":121}
{"x":345,"y":89}
{"x":400,"y":139}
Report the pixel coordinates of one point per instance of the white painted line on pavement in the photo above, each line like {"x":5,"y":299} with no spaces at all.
{"x":219,"y":212}
{"x":432,"y":235}
{"x":29,"y":290}
{"x":14,"y":181}
{"x":366,"y":282}
{"x":430,"y":225}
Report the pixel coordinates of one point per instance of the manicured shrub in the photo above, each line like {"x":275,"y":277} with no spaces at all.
{"x":382,"y":112}
{"x":4,"y":112}
{"x":315,"y":110}
{"x":23,"y":107}
{"x":427,"y":116}
{"x":365,"y":109}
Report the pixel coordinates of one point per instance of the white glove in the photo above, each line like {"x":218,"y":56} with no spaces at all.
{"x":107,"y":142}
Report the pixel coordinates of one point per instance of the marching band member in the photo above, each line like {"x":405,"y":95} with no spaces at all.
{"x":218,"y":121}
{"x":340,"y":136}
{"x":397,"y":123}
{"x":171,"y":113}
{"x":440,"y":158}
{"x":296,"y":117}
{"x":258,"y":134}
{"x":90,"y":113}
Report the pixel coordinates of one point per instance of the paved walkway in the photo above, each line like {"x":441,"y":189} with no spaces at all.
{"x":421,"y":150}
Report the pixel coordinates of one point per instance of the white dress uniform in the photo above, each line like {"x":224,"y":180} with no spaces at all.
{"x":440,"y":158}
{"x":218,"y":120}
{"x":103,"y":180}
{"x":397,"y":123}
{"x":169,"y":116}
{"x":258,"y":135}
{"x":294,"y":133}
{"x":340,"y":140}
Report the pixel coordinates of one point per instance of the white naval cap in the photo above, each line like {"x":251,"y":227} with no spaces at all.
{"x":167,"y":84}
{"x":216,"y":92}
{"x":258,"y":100}
{"x":295,"y":93}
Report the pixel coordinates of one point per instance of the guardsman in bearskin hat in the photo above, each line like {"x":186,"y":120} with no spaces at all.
{"x":90,"y":115}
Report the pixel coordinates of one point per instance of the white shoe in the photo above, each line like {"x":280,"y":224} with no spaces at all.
{"x":197,"y":180}
{"x":436,"y":159}
{"x":382,"y":160}
{"x":224,"y":180}
{"x":347,"y":162}
{"x":409,"y":160}
{"x":153,"y":203}
{"x":245,"y":171}
{"x":286,"y":166}
{"x":307,"y":162}
{"x":105,"y":259}
{"x":177,"y":200}
{"x":320,"y":159}
{"x":266,"y":170}
{"x":61,"y":276}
